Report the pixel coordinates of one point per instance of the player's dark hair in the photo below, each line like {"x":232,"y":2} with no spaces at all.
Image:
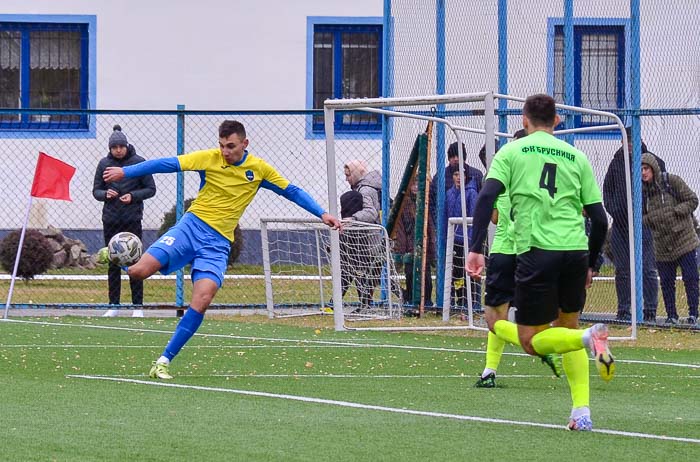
{"x":519,"y":134}
{"x":482,"y":153}
{"x":229,"y":127}
{"x":540,"y":109}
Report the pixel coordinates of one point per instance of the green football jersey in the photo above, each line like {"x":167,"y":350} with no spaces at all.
{"x":548,"y":181}
{"x":503,"y":237}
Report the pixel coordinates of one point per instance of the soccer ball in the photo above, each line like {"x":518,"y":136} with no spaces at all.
{"x":103,"y":256}
{"x":124,"y":249}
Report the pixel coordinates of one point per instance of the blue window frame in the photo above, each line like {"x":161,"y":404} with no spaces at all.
{"x":599,"y":69}
{"x":346,"y":63}
{"x":44,"y":65}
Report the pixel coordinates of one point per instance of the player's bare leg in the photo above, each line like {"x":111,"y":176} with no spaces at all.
{"x":146,"y":267}
{"x":203,"y":293}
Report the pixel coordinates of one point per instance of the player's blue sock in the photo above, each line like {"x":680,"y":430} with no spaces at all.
{"x":186,"y":328}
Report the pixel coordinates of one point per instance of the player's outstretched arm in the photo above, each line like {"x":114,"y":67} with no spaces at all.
{"x":149,"y":167}
{"x":112,"y":174}
{"x":331,"y":221}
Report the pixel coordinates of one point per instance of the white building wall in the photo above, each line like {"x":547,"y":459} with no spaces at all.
{"x":207,"y":55}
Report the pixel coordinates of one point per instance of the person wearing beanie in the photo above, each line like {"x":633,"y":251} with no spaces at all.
{"x":122,"y":210}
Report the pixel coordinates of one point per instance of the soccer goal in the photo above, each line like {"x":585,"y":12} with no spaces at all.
{"x":461,"y":294}
{"x":479,"y":107}
{"x":298,"y":275}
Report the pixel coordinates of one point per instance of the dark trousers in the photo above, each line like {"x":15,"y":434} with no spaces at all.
{"x":619,"y":244}
{"x":689,"y":273}
{"x":114,"y":273}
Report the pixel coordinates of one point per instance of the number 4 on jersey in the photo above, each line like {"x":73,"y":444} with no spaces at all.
{"x":548,"y":179}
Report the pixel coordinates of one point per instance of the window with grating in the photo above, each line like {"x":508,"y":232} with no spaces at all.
{"x":43,"y":66}
{"x":599,"y":70}
{"x":347,"y":63}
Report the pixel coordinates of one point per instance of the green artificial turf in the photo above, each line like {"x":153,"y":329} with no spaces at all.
{"x":49,"y":413}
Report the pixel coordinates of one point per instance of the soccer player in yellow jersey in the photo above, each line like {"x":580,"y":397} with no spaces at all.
{"x":549,"y":183}
{"x":230,"y":178}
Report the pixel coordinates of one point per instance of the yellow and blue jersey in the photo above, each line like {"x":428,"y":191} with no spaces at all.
{"x":227,"y":189}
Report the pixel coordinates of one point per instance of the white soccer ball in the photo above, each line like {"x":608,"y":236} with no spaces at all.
{"x":125,"y":249}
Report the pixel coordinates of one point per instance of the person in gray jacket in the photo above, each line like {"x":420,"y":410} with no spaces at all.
{"x":369,"y":184}
{"x":668,"y":206}
{"x":122,"y":209}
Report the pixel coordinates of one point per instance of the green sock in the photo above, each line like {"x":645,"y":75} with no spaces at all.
{"x":494,"y":350}
{"x":576,"y":368}
{"x":507,"y":331}
{"x":557,"y":340}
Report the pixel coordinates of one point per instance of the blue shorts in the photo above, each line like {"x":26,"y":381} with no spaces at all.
{"x":191,"y":241}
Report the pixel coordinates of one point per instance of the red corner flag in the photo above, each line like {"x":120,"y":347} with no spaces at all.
{"x":52,"y":178}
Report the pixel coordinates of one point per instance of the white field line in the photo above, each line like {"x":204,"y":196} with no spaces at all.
{"x":387,"y":376}
{"x":320,"y":342}
{"x":349,"y":404}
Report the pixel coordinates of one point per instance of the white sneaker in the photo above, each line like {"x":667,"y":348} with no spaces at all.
{"x":137,"y":314}
{"x":111,"y":314}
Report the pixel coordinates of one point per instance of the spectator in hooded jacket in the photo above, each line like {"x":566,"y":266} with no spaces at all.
{"x":615,"y":201}
{"x":668,"y":206}
{"x":369,"y":184}
{"x":473,"y":177}
{"x":122,"y":210}
{"x":360,"y":258}
{"x":453,"y":208}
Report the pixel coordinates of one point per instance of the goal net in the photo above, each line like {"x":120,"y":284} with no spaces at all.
{"x":298,"y":275}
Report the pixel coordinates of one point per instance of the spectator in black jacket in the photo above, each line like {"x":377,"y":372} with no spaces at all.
{"x":615,"y":201}
{"x":122,"y":210}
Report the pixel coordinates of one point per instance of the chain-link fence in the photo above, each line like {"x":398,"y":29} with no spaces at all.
{"x":615,"y":55}
{"x":283,"y":139}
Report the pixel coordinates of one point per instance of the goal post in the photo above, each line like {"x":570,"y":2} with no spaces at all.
{"x":450,"y":297}
{"x":419,"y":108}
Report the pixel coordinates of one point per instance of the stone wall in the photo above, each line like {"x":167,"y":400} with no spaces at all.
{"x":67,"y":252}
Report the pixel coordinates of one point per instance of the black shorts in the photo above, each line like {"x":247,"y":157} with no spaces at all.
{"x":500,"y":279}
{"x":547,"y":281}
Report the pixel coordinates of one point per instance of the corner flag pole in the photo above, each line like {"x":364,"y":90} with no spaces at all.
{"x":51,"y":181}
{"x":19,"y":254}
